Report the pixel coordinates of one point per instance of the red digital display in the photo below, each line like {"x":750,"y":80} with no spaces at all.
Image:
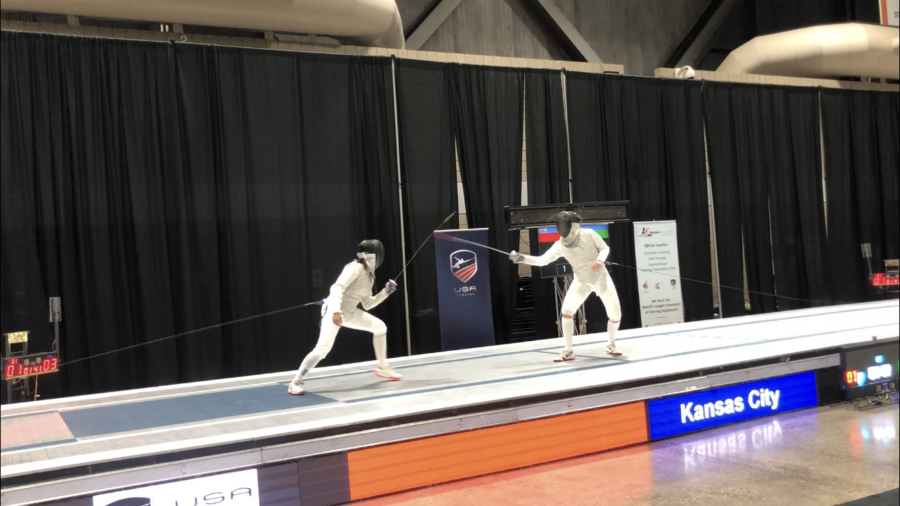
{"x":882,"y":279}
{"x":31,"y":365}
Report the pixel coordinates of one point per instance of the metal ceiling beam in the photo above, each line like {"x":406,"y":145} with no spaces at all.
{"x":695,"y":43}
{"x":424,"y":29}
{"x":565,"y":32}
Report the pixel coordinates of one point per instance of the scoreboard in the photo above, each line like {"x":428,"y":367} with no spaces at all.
{"x":30,"y":365}
{"x":870,"y":368}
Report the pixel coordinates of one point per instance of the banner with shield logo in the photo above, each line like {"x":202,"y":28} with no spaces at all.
{"x":464,"y":291}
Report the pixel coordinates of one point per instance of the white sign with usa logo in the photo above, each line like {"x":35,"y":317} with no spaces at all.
{"x":231,"y":489}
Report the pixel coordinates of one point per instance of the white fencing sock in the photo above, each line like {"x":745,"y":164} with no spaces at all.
{"x":568,"y":331}
{"x":380,"y":344}
{"x":611,"y":328}
{"x":308,"y":364}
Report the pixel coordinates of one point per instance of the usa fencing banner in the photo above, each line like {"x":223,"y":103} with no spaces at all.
{"x":464,"y":290}
{"x":658,"y":274}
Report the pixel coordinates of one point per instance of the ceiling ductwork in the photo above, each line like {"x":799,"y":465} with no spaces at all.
{"x":357,"y":22}
{"x":829,"y":51}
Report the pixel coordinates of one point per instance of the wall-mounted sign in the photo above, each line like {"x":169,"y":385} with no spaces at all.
{"x":16,"y":337}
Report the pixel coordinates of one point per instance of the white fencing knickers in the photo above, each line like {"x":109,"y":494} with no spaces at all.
{"x":576,"y":295}
{"x":356,"y":319}
{"x":605,"y":289}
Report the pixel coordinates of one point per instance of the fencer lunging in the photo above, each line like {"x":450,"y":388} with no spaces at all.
{"x":586,"y":252}
{"x":352,"y":289}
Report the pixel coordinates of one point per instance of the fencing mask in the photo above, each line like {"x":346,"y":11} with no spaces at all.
{"x":371,"y":251}
{"x":568,"y":227}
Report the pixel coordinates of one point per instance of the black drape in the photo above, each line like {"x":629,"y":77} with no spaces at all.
{"x":428,"y":164}
{"x":796,"y":200}
{"x":687,"y":199}
{"x":92,"y":182}
{"x":160,"y":188}
{"x":599,"y":173}
{"x":547,"y":161}
{"x":373,"y":157}
{"x":765,"y":165}
{"x":305,"y":144}
{"x":861,"y":166}
{"x":487,"y":108}
{"x":547,"y":166}
{"x":739,"y":143}
{"x":642,"y":140}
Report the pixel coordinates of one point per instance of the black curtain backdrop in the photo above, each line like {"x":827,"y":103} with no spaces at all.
{"x":682,"y":174}
{"x":547,"y":161}
{"x":428,"y":164}
{"x":373,"y":157}
{"x":160,"y":188}
{"x":861,"y":167}
{"x":796,"y":199}
{"x":71,"y":168}
{"x":642,"y":140}
{"x":765,"y":165}
{"x":488,"y":108}
{"x":307,"y":146}
{"x":547,"y":167}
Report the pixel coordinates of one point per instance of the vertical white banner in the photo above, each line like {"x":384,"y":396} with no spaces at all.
{"x":658,"y":273}
{"x":890,"y":12}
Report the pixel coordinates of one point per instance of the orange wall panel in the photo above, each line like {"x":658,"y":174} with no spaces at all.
{"x":404,"y":466}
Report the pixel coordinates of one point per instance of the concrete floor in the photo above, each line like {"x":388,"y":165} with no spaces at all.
{"x":823,"y":456}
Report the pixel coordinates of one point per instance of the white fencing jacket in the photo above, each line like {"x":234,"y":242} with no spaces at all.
{"x":352,"y":288}
{"x":581,"y":255}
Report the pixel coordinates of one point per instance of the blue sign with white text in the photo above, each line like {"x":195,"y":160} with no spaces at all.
{"x":464,"y":291}
{"x":683,"y":414}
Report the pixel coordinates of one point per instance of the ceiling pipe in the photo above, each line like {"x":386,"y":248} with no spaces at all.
{"x":358,"y":22}
{"x":851,"y":49}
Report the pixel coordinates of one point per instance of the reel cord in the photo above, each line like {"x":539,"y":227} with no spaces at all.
{"x":189,"y":332}
{"x":785,"y":297}
{"x":248,"y":318}
{"x":447,"y":237}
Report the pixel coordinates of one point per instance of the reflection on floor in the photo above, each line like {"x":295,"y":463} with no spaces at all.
{"x":828,"y":455}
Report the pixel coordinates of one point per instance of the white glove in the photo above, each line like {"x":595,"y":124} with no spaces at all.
{"x":390,"y":287}
{"x":516,"y":258}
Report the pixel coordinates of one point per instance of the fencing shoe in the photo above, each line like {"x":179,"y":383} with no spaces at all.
{"x":296,"y":388}
{"x":388,"y":374}
{"x":565,"y":356}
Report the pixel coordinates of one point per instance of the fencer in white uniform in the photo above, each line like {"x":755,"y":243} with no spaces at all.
{"x":586,"y":252}
{"x":345,"y":306}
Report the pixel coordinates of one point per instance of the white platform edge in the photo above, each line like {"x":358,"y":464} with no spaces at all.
{"x":576,"y":380}
{"x":86,"y":485}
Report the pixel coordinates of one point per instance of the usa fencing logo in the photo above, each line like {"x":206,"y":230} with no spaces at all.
{"x":463,"y":264}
